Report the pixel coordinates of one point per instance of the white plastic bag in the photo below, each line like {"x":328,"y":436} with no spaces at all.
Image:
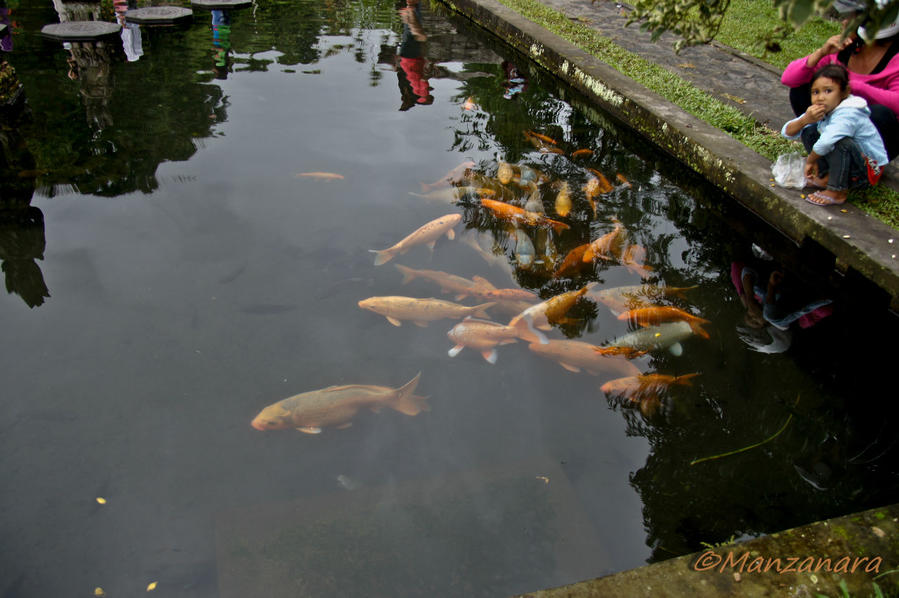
{"x":789,"y":170}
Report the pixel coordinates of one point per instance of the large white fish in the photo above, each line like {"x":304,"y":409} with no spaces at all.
{"x":484,"y":336}
{"x":420,"y":311}
{"x":577,"y":355}
{"x":663,"y":336}
{"x":426,"y":234}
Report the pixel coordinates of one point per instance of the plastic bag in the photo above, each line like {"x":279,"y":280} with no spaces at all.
{"x":789,"y":170}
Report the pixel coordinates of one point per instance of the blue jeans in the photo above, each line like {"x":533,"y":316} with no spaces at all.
{"x":845,"y":163}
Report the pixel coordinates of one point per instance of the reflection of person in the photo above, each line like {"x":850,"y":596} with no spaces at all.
{"x":89,"y":63}
{"x":772,"y":303}
{"x":413,"y":67}
{"x":6,"y":39}
{"x":221,"y":43}
{"x":873,"y":73}
{"x":131,"y":38}
{"x":845,"y":149}
{"x":21,"y":243}
{"x":515,"y":82}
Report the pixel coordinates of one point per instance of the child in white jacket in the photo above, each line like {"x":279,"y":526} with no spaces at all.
{"x":845,"y":149}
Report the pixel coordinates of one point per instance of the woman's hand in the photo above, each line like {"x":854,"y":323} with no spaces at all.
{"x":835,"y":43}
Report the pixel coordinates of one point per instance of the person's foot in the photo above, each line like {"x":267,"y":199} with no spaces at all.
{"x":826,"y":197}
{"x":816,"y":182}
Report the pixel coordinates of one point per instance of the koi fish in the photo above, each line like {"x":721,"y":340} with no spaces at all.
{"x":420,"y":311}
{"x":632,"y":259}
{"x":573,"y":262}
{"x":581,"y":152}
{"x":638,"y":388}
{"x":608,"y":246}
{"x":604,"y":185}
{"x":515,"y":214}
{"x":541,"y":137}
{"x":529,"y":176}
{"x":427,"y":234}
{"x":524,"y":249}
{"x":627,"y":352}
{"x":470,"y":104}
{"x":619,"y":299}
{"x":462,"y":287}
{"x":505,"y":173}
{"x":535,"y":202}
{"x":654,"y":315}
{"x":551,"y":149}
{"x":623,"y":180}
{"x":488,"y":291}
{"x":591,"y":190}
{"x":663,"y":336}
{"x":563,"y":200}
{"x":551,"y":311}
{"x":320,"y":175}
{"x":485,"y":335}
{"x":577,"y":355}
{"x":453,"y":194}
{"x":455,"y":175}
{"x":335,"y":406}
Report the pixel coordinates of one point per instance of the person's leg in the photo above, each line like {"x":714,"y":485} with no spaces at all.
{"x":847,"y":170}
{"x":888,"y":126}
{"x":800,"y":98}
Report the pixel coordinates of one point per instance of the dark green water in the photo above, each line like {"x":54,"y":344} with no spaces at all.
{"x":170,"y":275}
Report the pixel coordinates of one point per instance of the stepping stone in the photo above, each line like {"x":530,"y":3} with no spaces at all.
{"x":77,"y":31}
{"x":159,"y":15}
{"x":220,"y":4}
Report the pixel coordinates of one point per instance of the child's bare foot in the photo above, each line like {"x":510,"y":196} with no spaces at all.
{"x":826,"y":197}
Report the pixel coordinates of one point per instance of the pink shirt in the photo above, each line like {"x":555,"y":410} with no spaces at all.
{"x":879,"y":88}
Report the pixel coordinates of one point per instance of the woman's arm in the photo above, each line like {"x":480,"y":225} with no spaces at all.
{"x":799,"y":72}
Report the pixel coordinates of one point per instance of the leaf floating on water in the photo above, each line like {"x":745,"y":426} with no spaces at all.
{"x":151,"y":586}
{"x":102,"y":501}
{"x":98,"y":591}
{"x":845,"y":211}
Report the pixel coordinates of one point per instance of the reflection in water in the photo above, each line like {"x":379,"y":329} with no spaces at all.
{"x":6,"y":39}
{"x":412,"y":73}
{"x":131,"y":36}
{"x":90,"y":64}
{"x":515,"y":82}
{"x":221,"y":43}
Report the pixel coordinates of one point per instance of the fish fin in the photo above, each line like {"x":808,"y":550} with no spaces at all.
{"x":410,"y":404}
{"x":382,"y":257}
{"x":569,"y":367}
{"x":588,"y":255}
{"x":344,"y":426}
{"x":489,"y":356}
{"x":407,"y":273}
{"x":481,"y":310}
{"x":393,"y":321}
{"x":698,"y":330}
{"x":420,"y":323}
{"x":524,"y":326}
{"x":460,"y":296}
{"x":414,"y":194}
{"x":676,"y":349}
{"x":431,"y":245}
{"x":310,"y":430}
{"x":685,"y":379}
{"x":507,"y":341}
{"x":482,"y":281}
{"x":455,"y":350}
{"x":450,"y":234}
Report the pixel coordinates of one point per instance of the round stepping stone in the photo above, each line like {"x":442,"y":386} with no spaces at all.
{"x":76,"y":31}
{"x":220,"y":4}
{"x":159,"y":15}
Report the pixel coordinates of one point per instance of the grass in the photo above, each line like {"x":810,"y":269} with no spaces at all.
{"x":745,"y":20}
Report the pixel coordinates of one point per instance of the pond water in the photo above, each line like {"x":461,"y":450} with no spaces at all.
{"x":172,"y":271}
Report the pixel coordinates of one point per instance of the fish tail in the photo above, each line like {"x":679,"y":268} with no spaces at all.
{"x":685,"y":380}
{"x":408,"y":403}
{"x":407,"y":272}
{"x":481,"y":310}
{"x":524,"y":327}
{"x":680,"y":291}
{"x":698,"y":330}
{"x":558,"y":226}
{"x":383,"y":256}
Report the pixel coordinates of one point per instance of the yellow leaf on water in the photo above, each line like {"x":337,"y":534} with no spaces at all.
{"x":98,"y":591}
{"x":687,"y":65}
{"x":102,"y":501}
{"x":152,"y":586}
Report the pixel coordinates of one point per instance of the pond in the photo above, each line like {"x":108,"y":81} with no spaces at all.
{"x":187,"y":224}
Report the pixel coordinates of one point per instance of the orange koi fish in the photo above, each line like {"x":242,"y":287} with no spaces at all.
{"x":484,"y":336}
{"x":426,"y":234}
{"x":551,"y":311}
{"x":573,"y":262}
{"x":581,"y":152}
{"x":623,"y":180}
{"x":619,"y":299}
{"x":655,"y":315}
{"x":335,"y":406}
{"x":462,"y":287}
{"x":591,"y":190}
{"x":488,"y":291}
{"x":518,"y":215}
{"x":552,"y":150}
{"x":577,"y":355}
{"x":638,"y":388}
{"x":607,"y":247}
{"x":541,"y":137}
{"x":627,"y":352}
{"x":632,"y":259}
{"x":563,"y":200}
{"x":470,"y":104}
{"x":320,"y":175}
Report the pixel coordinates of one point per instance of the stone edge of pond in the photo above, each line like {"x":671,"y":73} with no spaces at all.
{"x":855,"y":240}
{"x":861,"y":547}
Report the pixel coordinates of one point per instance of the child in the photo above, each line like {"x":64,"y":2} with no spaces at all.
{"x":845,"y":149}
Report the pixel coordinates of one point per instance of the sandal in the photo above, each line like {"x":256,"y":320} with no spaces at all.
{"x":820,"y":199}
